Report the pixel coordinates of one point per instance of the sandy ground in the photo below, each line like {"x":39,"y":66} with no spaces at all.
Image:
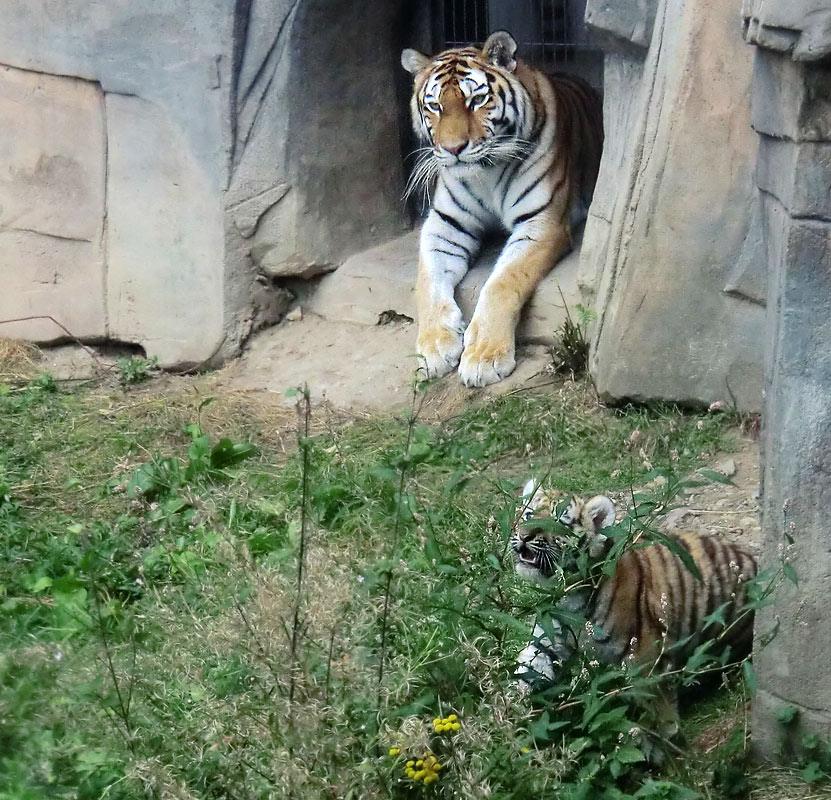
{"x":361,"y":368}
{"x":730,"y":510}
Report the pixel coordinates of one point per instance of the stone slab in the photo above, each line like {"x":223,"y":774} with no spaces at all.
{"x":789,"y":103}
{"x":164,"y":238}
{"x":667,"y":328}
{"x":792,"y":669}
{"x":780,"y":160}
{"x":359,"y":367}
{"x":800,"y":29}
{"x":52,"y":198}
{"x":621,"y":23}
{"x":383,"y":279}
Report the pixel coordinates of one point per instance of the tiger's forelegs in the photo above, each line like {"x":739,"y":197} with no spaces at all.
{"x":444,"y":256}
{"x":489,"y":346}
{"x":440,"y":325}
{"x":540,"y":658}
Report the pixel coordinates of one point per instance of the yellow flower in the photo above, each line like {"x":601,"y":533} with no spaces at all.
{"x":419,"y":763}
{"x":430,"y":778}
{"x":395,"y":751}
{"x":452,"y":718}
{"x":456,"y":725}
{"x":411,"y":763}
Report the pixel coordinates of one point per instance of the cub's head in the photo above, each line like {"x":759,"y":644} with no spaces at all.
{"x":552,"y":527}
{"x":467,"y":103}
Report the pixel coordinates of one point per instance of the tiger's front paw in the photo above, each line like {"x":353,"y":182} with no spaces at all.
{"x":488,"y":355}
{"x":439,"y":348}
{"x":534,"y":668}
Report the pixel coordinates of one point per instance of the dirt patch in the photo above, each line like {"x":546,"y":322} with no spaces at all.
{"x":362,"y":368}
{"x":730,"y":510}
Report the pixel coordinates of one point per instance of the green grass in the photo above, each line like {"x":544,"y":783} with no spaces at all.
{"x":159,"y":641}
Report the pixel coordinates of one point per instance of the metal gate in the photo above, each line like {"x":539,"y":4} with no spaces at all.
{"x":550,"y":33}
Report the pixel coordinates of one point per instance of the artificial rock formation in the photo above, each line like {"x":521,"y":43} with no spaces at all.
{"x":163,"y":163}
{"x":792,"y":115}
{"x":671,"y":255}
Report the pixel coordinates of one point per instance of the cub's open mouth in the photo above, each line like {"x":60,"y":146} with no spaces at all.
{"x":529,"y":559}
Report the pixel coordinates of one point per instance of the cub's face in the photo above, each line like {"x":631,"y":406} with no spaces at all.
{"x":538,"y":539}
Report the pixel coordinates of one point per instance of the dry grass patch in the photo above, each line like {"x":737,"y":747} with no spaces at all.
{"x":18,"y":360}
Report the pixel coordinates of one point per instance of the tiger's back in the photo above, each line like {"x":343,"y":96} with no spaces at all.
{"x":653,"y":602}
{"x":579,"y":138}
{"x":651,"y":608}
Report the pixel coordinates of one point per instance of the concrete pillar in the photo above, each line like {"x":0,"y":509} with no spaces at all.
{"x":672,"y":243}
{"x":791,"y":111}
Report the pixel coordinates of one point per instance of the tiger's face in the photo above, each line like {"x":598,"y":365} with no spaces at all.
{"x":538,"y":542}
{"x":467,"y":102}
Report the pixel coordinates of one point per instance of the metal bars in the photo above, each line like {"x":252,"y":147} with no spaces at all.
{"x":550,"y":33}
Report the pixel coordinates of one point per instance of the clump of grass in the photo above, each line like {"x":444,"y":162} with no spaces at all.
{"x":18,"y":360}
{"x":570,"y":352}
{"x":160,"y":639}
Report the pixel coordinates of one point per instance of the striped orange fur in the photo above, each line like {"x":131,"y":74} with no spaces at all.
{"x":510,"y":149}
{"x":651,"y":608}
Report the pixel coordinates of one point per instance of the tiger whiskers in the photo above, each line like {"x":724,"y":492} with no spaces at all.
{"x":422,"y":176}
{"x":508,"y":148}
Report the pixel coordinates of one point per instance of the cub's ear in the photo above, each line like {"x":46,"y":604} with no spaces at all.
{"x":413,"y":61}
{"x":500,"y":49}
{"x":530,"y":487}
{"x":601,"y":510}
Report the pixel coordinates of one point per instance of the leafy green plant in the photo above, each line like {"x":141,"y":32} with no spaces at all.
{"x":186,"y":614}
{"x":135,"y":370}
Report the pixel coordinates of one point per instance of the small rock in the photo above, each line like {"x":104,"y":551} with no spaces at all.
{"x":727,"y":468}
{"x":656,"y":483}
{"x":295,"y":315}
{"x":676,"y":518}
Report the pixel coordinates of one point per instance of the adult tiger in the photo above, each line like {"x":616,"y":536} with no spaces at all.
{"x":511,"y":149}
{"x":651,"y":607}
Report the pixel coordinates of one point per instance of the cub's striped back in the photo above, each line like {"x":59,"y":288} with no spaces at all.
{"x":652,"y":608}
{"x":653,"y":601}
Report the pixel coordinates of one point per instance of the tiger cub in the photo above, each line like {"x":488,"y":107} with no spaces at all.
{"x":512,"y":150}
{"x":651,"y":601}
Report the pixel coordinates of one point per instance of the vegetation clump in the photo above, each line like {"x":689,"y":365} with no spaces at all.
{"x":201,"y":601}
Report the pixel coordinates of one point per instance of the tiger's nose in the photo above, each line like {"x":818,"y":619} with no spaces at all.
{"x":455,"y":148}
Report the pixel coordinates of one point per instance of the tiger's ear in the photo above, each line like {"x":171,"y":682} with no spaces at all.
{"x":413,"y":61}
{"x":500,"y":49}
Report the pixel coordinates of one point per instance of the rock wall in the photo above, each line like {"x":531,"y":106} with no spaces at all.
{"x":672,"y":250}
{"x":792,"y":115}
{"x":167,"y":161}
